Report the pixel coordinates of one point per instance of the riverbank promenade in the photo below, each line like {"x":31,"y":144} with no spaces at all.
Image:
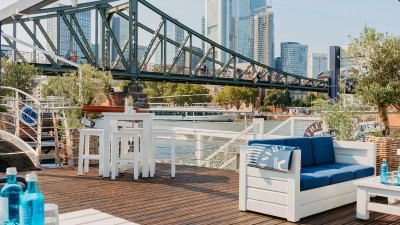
{"x":195,"y":196}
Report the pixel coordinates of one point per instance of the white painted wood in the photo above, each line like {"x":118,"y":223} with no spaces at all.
{"x":326,"y":192}
{"x":266,"y":208}
{"x":294,"y":188}
{"x":389,"y":209}
{"x":80,"y":213}
{"x":326,"y":204}
{"x":267,"y":196}
{"x":242,"y":178}
{"x":271,"y":174}
{"x":362,"y":203}
{"x":267,"y":184}
{"x":346,"y":151}
{"x":90,"y":217}
{"x":347,"y":159}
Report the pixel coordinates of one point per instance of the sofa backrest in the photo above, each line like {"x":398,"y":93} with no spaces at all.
{"x":314,"y":150}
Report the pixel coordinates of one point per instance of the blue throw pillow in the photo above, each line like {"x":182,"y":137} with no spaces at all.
{"x":322,"y":148}
{"x":306,"y":151}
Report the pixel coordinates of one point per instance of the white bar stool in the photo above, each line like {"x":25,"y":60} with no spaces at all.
{"x":152,"y":156}
{"x":84,"y":141}
{"x":121,"y":155}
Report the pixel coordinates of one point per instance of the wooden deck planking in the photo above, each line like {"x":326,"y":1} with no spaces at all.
{"x":195,"y":196}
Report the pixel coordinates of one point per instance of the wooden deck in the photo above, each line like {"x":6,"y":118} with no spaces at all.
{"x":195,"y":196}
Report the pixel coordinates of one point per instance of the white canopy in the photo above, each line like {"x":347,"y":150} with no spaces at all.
{"x":23,"y":6}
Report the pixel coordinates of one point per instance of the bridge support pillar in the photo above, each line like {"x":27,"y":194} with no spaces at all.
{"x":334,"y":72}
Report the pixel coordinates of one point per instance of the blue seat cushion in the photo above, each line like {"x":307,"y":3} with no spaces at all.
{"x":268,"y":142}
{"x":335,"y":175}
{"x":312,"y":180}
{"x":305,"y":146}
{"x":359,"y":171}
{"x":322,"y":148}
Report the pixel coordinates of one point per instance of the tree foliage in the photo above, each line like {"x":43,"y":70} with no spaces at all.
{"x":95,"y":83}
{"x":236,"y":96}
{"x":377,"y":58}
{"x":277,"y":98}
{"x":18,"y":75}
{"x":160,"y":89}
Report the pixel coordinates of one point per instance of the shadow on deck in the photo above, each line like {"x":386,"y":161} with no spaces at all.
{"x":195,"y":196}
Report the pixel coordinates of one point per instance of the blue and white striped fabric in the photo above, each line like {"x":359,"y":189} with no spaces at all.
{"x":270,"y":157}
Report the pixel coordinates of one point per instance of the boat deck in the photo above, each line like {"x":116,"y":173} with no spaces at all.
{"x":195,"y":196}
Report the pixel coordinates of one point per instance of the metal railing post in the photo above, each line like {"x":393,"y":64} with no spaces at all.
{"x":292,"y":131}
{"x":39,"y":132}
{"x":16,"y":114}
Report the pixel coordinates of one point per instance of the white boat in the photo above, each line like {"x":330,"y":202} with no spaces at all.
{"x":197,"y":112}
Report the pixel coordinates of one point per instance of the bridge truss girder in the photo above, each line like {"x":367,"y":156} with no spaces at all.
{"x":229,"y":72}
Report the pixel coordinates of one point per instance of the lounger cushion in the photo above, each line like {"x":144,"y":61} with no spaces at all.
{"x":322,"y":148}
{"x":305,"y":146}
{"x":335,"y":175}
{"x":359,"y":171}
{"x":312,"y":180}
{"x":268,"y":142}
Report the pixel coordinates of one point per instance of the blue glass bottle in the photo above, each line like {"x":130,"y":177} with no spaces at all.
{"x":398,"y":175}
{"x":384,"y":172}
{"x":31,"y":209}
{"x":10,"y":197}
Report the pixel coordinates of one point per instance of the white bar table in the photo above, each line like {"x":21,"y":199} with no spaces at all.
{"x":110,"y":125}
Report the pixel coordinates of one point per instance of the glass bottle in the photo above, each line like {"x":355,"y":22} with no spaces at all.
{"x":10,"y":197}
{"x":31,"y":208}
{"x":384,"y":171}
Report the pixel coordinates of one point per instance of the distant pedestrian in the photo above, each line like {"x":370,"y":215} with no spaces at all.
{"x":67,"y":55}
{"x":74,"y":57}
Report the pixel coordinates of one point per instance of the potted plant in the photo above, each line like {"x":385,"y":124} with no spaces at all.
{"x":376,"y":56}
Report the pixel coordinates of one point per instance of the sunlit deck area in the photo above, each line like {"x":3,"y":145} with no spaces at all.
{"x":195,"y":196}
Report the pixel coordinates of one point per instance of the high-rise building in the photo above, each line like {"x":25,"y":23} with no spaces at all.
{"x":317,"y":64}
{"x":263,"y":38}
{"x":294,"y":58}
{"x":175,"y":33}
{"x":195,"y":59}
{"x":278,"y":63}
{"x":203,"y":32}
{"x":67,"y":42}
{"x":221,"y":25}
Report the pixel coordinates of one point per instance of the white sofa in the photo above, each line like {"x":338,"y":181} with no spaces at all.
{"x":278,"y":193}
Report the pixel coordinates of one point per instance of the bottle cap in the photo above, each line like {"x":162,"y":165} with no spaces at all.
{"x":11,"y":171}
{"x":31,"y":177}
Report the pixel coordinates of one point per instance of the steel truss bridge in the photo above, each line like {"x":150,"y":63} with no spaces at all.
{"x":248,"y":72}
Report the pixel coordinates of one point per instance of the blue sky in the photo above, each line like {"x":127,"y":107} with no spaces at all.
{"x":317,"y":23}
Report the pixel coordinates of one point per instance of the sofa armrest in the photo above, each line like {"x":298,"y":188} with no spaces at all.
{"x":352,"y":152}
{"x":290,"y":181}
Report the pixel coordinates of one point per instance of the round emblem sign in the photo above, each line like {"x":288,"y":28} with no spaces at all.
{"x":28,"y":116}
{"x":314,"y":129}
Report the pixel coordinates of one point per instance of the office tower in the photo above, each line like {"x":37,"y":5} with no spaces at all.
{"x":294,"y":58}
{"x":263,"y":41}
{"x":175,"y":33}
{"x":195,"y":59}
{"x":278,"y":63}
{"x":221,"y":25}
{"x":67,"y":42}
{"x":317,"y":64}
{"x":203,"y":32}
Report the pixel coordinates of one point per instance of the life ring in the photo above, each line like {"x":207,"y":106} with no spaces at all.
{"x":28,"y":116}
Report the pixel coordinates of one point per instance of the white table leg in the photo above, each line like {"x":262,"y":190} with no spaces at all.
{"x":147,"y":125}
{"x":106,"y":154}
{"x":362,"y":203}
{"x":80,"y":159}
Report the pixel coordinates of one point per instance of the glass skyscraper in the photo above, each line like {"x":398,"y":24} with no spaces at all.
{"x":67,"y":42}
{"x":294,"y":58}
{"x":317,"y":63}
{"x":177,"y":34}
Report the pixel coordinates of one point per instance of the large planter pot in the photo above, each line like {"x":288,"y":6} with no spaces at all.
{"x":73,"y":146}
{"x":386,"y":149}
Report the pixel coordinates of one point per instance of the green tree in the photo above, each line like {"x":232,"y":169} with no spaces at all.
{"x":376,"y":57}
{"x":160,"y":89}
{"x":18,"y":75}
{"x":298,"y":103}
{"x":236,"y":96}
{"x":94,"y":84}
{"x":274,"y":97}
{"x":309,"y":99}
{"x":288,"y":98}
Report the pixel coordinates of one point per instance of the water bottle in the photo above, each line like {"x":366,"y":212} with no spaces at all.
{"x":384,"y":171}
{"x":31,"y":209}
{"x":10,"y":197}
{"x":398,"y":175}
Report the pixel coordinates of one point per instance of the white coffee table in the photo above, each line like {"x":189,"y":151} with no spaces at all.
{"x":372,"y":186}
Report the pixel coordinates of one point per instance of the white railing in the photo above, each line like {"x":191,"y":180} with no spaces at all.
{"x":292,"y":127}
{"x":11,"y":121}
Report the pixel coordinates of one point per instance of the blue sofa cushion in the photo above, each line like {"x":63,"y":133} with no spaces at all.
{"x":335,"y":175}
{"x":305,"y":146}
{"x":322,"y":148}
{"x":268,"y":142}
{"x":359,"y":171}
{"x":312,"y":180}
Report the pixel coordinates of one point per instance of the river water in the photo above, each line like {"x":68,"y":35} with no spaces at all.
{"x":185,"y":149}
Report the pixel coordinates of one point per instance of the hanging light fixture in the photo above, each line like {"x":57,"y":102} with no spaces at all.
{"x":74,"y":3}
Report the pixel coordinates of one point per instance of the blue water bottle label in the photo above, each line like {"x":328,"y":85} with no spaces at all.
{"x":25,"y":215}
{"x":4,"y":208}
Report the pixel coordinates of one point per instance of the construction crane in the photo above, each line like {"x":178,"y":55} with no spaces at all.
{"x":267,"y":7}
